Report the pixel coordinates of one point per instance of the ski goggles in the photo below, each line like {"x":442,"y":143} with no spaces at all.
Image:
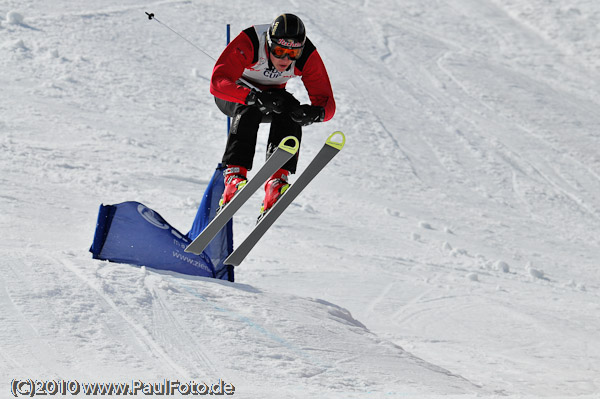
{"x":282,"y":52}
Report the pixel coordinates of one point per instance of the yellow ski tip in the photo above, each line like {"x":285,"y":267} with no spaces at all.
{"x":292,"y":149}
{"x":336,"y":144}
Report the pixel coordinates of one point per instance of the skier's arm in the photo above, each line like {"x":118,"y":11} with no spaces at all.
{"x":229,"y":68}
{"x":318,"y":86}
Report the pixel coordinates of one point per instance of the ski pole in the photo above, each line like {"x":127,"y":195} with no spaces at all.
{"x":152,"y":17}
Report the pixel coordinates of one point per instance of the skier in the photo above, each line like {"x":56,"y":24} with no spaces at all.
{"x":267,"y":56}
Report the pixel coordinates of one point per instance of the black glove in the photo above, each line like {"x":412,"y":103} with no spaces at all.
{"x":266,"y":101}
{"x":306,"y":114}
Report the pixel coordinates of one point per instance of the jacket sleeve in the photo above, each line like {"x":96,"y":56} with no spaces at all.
{"x":317,"y":84}
{"x":230,"y":67}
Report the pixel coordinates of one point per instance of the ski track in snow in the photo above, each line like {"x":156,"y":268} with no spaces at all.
{"x":450,"y":250}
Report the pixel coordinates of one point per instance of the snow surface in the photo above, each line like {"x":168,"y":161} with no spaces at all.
{"x":451,"y":249}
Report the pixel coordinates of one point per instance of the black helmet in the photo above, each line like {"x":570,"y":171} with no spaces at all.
{"x":287,"y":30}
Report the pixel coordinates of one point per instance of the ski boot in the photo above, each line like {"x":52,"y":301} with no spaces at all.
{"x":274,"y":188}
{"x":235,"y":179}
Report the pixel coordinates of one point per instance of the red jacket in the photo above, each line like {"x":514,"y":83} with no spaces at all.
{"x":247,"y":54}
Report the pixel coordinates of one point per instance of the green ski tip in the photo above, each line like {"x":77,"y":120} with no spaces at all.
{"x":291,"y":149}
{"x":336,"y":144}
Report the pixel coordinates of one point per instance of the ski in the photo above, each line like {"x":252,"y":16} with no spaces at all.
{"x":330,"y":149}
{"x":281,"y":155}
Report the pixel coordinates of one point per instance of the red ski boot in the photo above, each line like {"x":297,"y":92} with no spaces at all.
{"x":274,"y":188}
{"x":235,"y":179}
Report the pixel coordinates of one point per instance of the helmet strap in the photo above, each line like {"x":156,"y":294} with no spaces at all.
{"x":271,"y":66}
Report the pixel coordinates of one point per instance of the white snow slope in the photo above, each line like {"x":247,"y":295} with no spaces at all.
{"x":451,"y":249}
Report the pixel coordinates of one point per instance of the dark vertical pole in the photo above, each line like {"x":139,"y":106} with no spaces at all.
{"x":228,"y":39}
{"x":229,"y":226}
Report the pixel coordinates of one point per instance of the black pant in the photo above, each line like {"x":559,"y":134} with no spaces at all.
{"x":241,"y":143}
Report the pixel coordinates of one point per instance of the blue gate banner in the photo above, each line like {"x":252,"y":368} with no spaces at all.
{"x":222,"y":245}
{"x":132,"y":233}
